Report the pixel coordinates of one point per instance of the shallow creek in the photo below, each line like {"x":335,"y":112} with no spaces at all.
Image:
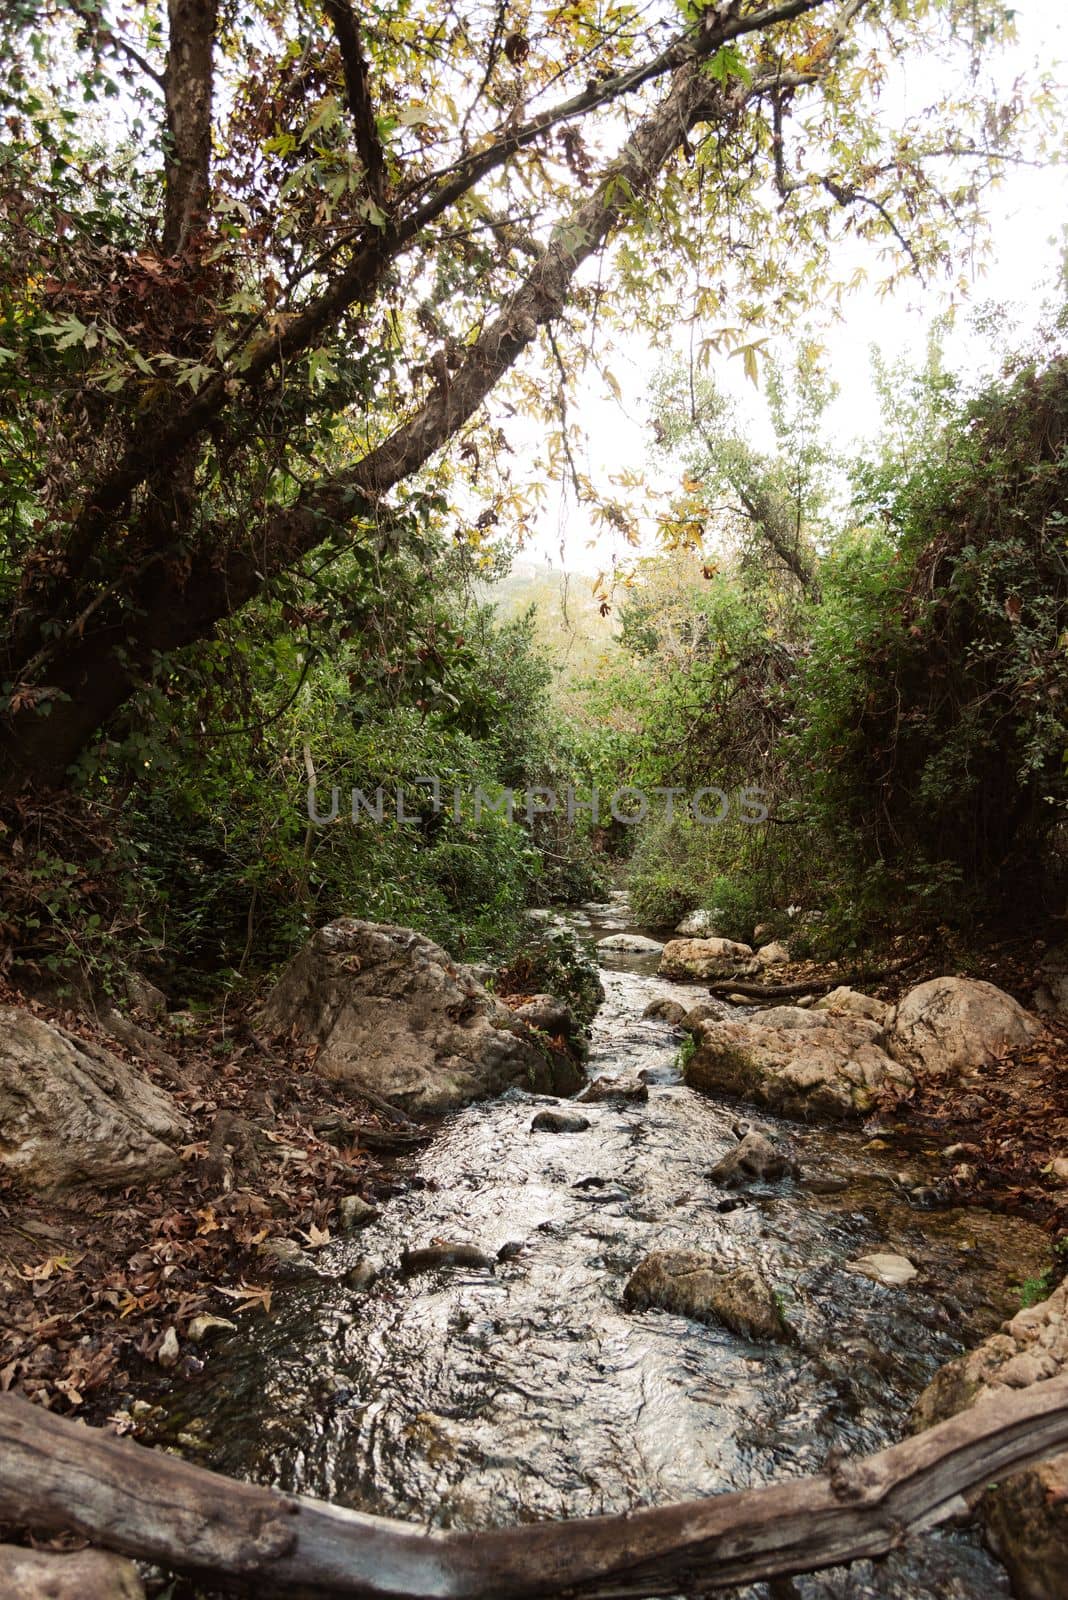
{"x":462,"y":1399}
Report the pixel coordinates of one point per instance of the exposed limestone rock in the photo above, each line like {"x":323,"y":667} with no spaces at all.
{"x":1026,"y":1515}
{"x":799,"y":1062}
{"x":884,"y":1267}
{"x":71,"y":1112}
{"x":692,"y":1284}
{"x":846,"y":1002}
{"x":772,"y":955}
{"x":693,"y":959}
{"x":943,"y":1027}
{"x":396,"y":1016}
{"x":698,"y":925}
{"x":629,"y":944}
{"x":67,"y":1575}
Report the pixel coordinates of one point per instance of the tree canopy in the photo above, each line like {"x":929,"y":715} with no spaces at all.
{"x":261,"y":261}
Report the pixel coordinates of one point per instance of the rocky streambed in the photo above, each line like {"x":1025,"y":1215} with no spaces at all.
{"x":517,"y":1378}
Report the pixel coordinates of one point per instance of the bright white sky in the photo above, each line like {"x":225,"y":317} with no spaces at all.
{"x":1028,"y":215}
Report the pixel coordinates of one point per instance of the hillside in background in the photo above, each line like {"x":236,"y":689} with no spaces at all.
{"x":569,"y":628}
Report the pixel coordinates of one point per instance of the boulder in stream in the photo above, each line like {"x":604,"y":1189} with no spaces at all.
{"x":395,"y":1016}
{"x":559,"y":1122}
{"x":1026,"y":1514}
{"x":797,"y":1062}
{"x":755,"y":1158}
{"x":664,"y":1010}
{"x":72,"y":1113}
{"x":626,"y":1087}
{"x":629,"y":944}
{"x":691,"y":960}
{"x":690,"y":1283}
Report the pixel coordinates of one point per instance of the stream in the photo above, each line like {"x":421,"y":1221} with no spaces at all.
{"x":461,"y":1399}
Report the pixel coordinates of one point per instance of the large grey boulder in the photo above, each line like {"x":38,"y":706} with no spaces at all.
{"x":72,"y":1113}
{"x":690,"y":1283}
{"x":693,"y":959}
{"x":803,"y":1063}
{"x":943,"y":1027}
{"x":394,"y":1015}
{"x":1026,"y":1514}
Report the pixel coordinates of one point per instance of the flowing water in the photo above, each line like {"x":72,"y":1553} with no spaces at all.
{"x":462,"y":1398}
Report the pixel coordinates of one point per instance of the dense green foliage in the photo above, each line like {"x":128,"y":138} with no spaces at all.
{"x":367,"y":678}
{"x":895,"y":681}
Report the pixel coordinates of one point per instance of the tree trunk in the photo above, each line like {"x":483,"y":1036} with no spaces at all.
{"x":58,"y":1474}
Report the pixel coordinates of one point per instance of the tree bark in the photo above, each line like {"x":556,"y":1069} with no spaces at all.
{"x":187,"y":89}
{"x":58,"y":1474}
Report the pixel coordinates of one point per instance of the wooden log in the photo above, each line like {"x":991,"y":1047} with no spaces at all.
{"x":59,"y":1474}
{"x":771,"y":991}
{"x":80,"y":1575}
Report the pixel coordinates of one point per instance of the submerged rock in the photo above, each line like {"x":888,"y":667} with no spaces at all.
{"x":395,"y":1015}
{"x":433,"y":1256}
{"x":363,"y":1274}
{"x":559,"y":1122}
{"x":801,"y":1063}
{"x":883,"y":1267}
{"x":625,"y":1087}
{"x":664,"y":1010}
{"x":754,"y":1157}
{"x":72,"y":1113}
{"x":693,"y":1284}
{"x":948,"y":1025}
{"x":690,"y":960}
{"x":1026,"y":1514}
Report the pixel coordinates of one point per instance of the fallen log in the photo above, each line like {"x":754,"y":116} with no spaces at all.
{"x":771,"y":991}
{"x":58,"y":1474}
